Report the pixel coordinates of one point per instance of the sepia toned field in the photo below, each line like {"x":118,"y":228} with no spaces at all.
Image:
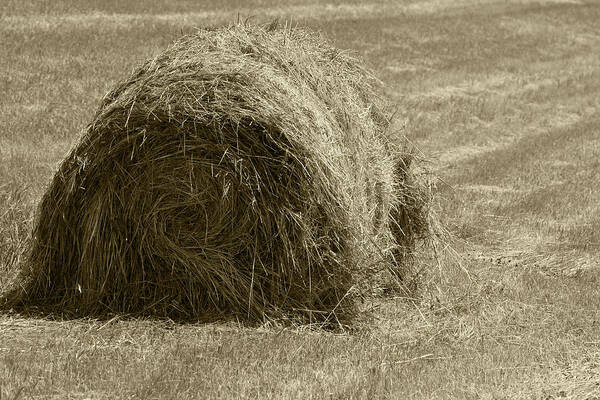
{"x":504,"y":96}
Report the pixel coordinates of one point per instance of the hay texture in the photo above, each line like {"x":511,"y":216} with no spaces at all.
{"x":244,"y":171}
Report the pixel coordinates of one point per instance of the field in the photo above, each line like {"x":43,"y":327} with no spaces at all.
{"x":505,"y":98}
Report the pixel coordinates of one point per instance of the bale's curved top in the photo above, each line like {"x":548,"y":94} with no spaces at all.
{"x":245,"y":170}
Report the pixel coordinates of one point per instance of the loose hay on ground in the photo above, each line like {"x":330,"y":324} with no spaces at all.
{"x":244,"y":171}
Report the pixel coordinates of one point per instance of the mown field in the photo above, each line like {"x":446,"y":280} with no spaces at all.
{"x":503,"y":95}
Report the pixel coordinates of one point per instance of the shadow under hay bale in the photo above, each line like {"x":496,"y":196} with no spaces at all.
{"x":244,"y":171}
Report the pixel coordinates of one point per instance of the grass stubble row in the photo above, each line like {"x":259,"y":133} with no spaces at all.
{"x":247,"y":171}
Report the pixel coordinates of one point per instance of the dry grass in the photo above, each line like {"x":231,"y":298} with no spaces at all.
{"x":505,"y":93}
{"x":245,"y":171}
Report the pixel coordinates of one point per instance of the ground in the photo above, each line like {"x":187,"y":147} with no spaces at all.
{"x":503,"y":95}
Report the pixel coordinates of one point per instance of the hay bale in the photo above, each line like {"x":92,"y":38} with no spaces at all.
{"x":245,"y":170}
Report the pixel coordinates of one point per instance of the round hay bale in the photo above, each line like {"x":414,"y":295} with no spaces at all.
{"x":244,"y":171}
